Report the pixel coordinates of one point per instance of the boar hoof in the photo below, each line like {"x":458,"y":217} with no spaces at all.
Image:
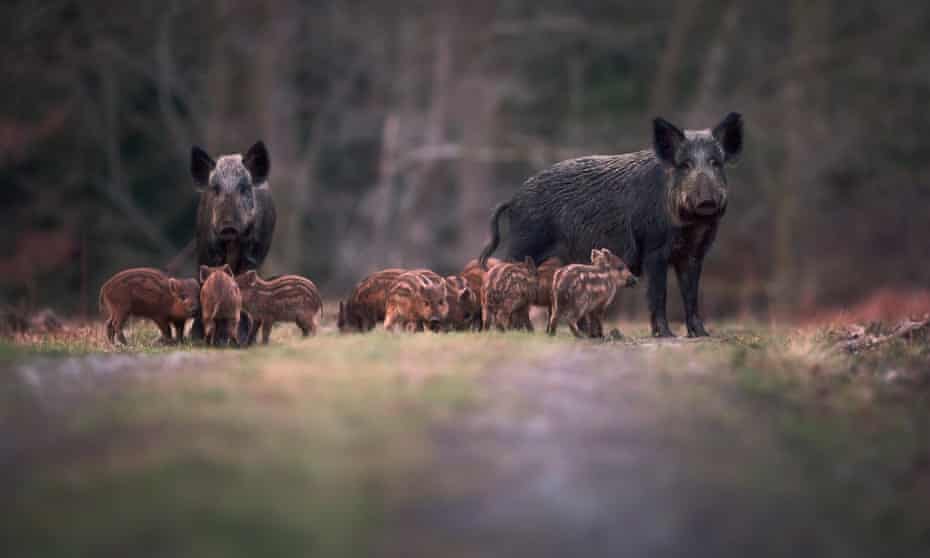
{"x":698,"y":332}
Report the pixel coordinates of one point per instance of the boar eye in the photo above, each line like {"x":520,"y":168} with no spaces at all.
{"x":686,"y":165}
{"x":714,"y":162}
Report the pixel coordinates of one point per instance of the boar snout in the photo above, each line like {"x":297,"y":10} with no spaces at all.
{"x":706,"y":198}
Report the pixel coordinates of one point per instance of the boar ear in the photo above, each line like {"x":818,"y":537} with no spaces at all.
{"x":173,"y":286}
{"x":228,"y":270}
{"x":666,"y":138}
{"x":730,"y":135}
{"x":257,"y":161}
{"x":201,"y":166}
{"x":204,"y":273}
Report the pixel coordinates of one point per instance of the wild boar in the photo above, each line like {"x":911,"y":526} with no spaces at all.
{"x":148,"y":293}
{"x":508,"y":292}
{"x":416,"y":299}
{"x":656,"y":208}
{"x":367,"y":304}
{"x":236,"y":213}
{"x":583,"y":292}
{"x":545,"y":272}
{"x":475,"y":274}
{"x":464,"y":305}
{"x":282,"y":299}
{"x":221,"y":304}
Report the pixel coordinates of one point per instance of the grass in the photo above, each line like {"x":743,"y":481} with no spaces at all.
{"x":308,"y":446}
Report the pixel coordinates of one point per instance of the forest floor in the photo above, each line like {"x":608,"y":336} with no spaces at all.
{"x":754,"y":442}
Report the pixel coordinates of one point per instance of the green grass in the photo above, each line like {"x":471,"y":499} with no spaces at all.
{"x":306,"y":447}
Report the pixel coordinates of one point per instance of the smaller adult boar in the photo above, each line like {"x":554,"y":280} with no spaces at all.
{"x":475,"y":274}
{"x":148,"y":293}
{"x":288,"y":298}
{"x":416,"y":300}
{"x":221,"y":303}
{"x":464,"y":305}
{"x":583,"y":292}
{"x":367,"y":304}
{"x":508,"y":292}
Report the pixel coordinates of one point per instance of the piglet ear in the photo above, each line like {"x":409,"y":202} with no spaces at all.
{"x":730,"y":135}
{"x":464,"y":295}
{"x":258,"y":162}
{"x":529,"y":263}
{"x":173,"y":286}
{"x":201,"y":167}
{"x":228,"y":270}
{"x":666,"y":138}
{"x":204,"y":273}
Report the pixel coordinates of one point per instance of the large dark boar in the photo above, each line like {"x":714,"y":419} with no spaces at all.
{"x":236,"y":214}
{"x":654,"y":208}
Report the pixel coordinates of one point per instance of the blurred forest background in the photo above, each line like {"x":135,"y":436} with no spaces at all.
{"x":395,"y":127}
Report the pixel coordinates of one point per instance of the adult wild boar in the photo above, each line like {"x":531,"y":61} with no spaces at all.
{"x":236,"y":214}
{"x":655,"y":208}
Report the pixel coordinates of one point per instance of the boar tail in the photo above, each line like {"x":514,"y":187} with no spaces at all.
{"x":495,"y":235}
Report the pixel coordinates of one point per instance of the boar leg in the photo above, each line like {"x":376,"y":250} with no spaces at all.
{"x":118,"y":322}
{"x":197,"y":333}
{"x":266,"y":331}
{"x":209,"y":330}
{"x":595,"y":326}
{"x":573,"y":324}
{"x":179,"y":331}
{"x":111,"y":331}
{"x":243,"y":327}
{"x":232,"y":325}
{"x":657,"y":271}
{"x":689,"y":278}
{"x":306,"y":325}
{"x":165,"y":327}
{"x":253,"y":331}
{"x":525,"y":319}
{"x":553,"y":324}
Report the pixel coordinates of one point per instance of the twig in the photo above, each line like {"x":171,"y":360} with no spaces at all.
{"x":864,"y":342}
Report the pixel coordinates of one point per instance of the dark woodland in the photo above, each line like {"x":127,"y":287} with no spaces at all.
{"x":395,"y":128}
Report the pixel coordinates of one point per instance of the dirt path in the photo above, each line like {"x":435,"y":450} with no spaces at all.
{"x":597,"y":453}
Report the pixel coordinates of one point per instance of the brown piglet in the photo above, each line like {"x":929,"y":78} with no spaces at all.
{"x":583,"y":292}
{"x":148,"y":293}
{"x":464,"y":305}
{"x":507,"y":294}
{"x":288,"y":298}
{"x":476,"y":275}
{"x":367,"y":304}
{"x":417,"y":299}
{"x":221,"y":303}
